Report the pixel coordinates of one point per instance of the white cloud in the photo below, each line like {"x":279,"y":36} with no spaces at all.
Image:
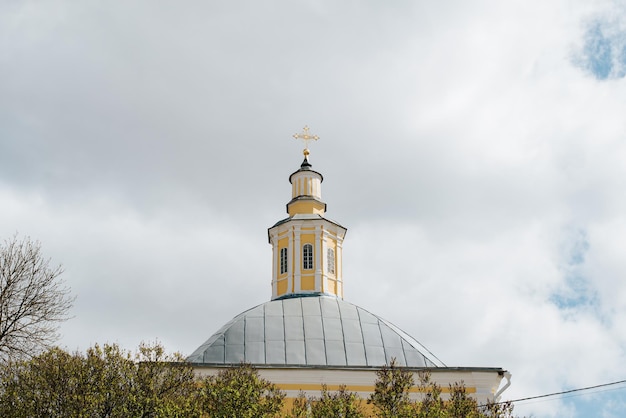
{"x":148,"y":148}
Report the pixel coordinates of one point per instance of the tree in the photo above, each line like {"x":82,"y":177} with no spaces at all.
{"x":391,"y":391}
{"x":240,"y":392}
{"x":341,"y":403}
{"x":109,"y":382}
{"x":163,"y":385}
{"x":431,"y":404}
{"x":33,"y":299}
{"x":460,"y":404}
{"x":104,"y":382}
{"x":300,"y":407}
{"x":46,"y":385}
{"x":391,"y":398}
{"x":497,"y":409}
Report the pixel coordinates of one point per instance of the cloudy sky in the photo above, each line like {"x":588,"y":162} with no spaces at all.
{"x":475,"y":150}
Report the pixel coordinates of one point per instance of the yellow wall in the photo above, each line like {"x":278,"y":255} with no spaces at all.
{"x":363,"y":392}
{"x":321,"y":236}
{"x":281,"y":287}
{"x":480,"y":384}
{"x":307,"y":283}
{"x":306,"y":206}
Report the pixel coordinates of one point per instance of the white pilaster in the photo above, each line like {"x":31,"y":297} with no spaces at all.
{"x":275,"y":261}
{"x":297,"y":256}
{"x":339,"y":266}
{"x":318,"y":259}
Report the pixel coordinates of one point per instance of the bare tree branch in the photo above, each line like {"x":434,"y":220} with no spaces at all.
{"x":33,"y":299}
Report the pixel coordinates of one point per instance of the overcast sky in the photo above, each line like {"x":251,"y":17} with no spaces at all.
{"x":475,"y":150}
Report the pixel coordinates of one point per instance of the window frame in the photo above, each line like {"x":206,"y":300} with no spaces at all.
{"x":307,"y":257}
{"x":284,"y":265}
{"x":330,"y":261}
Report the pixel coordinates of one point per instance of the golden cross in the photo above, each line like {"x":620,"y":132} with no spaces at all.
{"x":306,"y":137}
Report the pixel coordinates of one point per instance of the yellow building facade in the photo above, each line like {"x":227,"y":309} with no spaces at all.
{"x":306,"y":247}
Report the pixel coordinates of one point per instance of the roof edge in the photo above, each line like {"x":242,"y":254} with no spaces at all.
{"x":498,"y":370}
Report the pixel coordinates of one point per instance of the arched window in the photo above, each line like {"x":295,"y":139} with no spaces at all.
{"x":283,"y":260}
{"x":307,"y":257}
{"x":330,"y":261}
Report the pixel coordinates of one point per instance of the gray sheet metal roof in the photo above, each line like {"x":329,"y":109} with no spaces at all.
{"x":310,"y":331}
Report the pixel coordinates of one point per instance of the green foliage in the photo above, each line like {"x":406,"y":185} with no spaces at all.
{"x":105,"y":382}
{"x":163,"y":385}
{"x":240,"y":392}
{"x":301,"y":407}
{"x":49,"y":385}
{"x":391,"y":391}
{"x":391,"y":398}
{"x":459,"y":404}
{"x":337,"y":404}
{"x":341,"y":403}
{"x":498,"y":409}
{"x":431,"y":404}
{"x":109,"y":382}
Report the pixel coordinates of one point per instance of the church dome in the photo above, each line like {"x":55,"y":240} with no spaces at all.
{"x":312,"y":330}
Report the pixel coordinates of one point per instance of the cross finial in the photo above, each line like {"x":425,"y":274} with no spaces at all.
{"x":306,"y":137}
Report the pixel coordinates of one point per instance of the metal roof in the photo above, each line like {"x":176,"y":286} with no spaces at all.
{"x":306,"y":216}
{"x":310,"y":331}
